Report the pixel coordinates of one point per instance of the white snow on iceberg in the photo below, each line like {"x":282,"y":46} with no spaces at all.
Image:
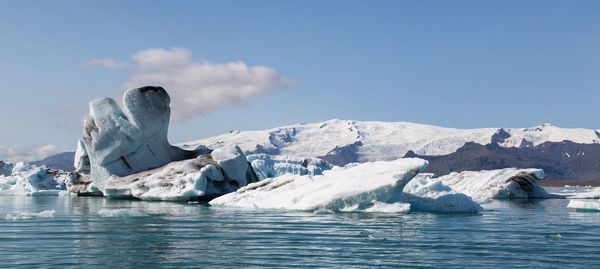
{"x":508,"y":183}
{"x":366,"y":187}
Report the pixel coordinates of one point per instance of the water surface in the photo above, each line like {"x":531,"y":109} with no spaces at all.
{"x":99,"y":232}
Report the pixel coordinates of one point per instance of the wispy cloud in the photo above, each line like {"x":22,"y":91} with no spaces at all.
{"x":198,"y":87}
{"x":19,"y":154}
{"x":107,"y":62}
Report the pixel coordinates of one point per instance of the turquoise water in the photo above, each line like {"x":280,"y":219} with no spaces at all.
{"x":93,"y":232}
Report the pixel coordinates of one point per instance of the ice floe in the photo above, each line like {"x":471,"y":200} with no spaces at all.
{"x":366,"y":187}
{"x":33,"y":180}
{"x":27,"y":215}
{"x":125,"y":212}
{"x":508,"y":183}
{"x":585,"y":205}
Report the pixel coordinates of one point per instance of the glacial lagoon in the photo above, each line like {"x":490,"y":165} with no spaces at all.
{"x":80,"y":232}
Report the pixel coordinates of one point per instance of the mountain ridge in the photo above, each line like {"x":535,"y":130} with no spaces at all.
{"x":345,"y":141}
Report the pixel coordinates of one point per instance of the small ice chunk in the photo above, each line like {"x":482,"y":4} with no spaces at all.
{"x":381,"y":207}
{"x":26,"y":215}
{"x":116,"y":213}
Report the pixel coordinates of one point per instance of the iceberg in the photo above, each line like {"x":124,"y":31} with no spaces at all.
{"x":33,"y":180}
{"x":267,"y":166}
{"x":508,"y":183}
{"x":585,"y":205}
{"x":367,"y":187}
{"x":207,"y":176}
{"x":592,"y":193}
{"x":123,"y":142}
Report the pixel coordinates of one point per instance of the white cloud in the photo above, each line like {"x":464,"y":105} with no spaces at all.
{"x":18,"y":154}
{"x":107,"y":62}
{"x":200,"y":87}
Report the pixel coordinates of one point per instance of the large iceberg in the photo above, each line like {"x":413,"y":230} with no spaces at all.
{"x":508,"y":183}
{"x":207,"y":176}
{"x":123,"y":142}
{"x":267,"y":166}
{"x":27,"y":179}
{"x":366,"y":187}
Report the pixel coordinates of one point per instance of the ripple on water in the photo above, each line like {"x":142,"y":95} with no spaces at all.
{"x":99,"y":232}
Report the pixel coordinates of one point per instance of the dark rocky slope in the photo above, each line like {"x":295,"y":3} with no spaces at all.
{"x":560,"y":160}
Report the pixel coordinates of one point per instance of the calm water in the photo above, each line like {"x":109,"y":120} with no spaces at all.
{"x":145,"y":234}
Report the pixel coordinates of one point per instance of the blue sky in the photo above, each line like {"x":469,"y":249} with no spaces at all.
{"x":463,"y":64}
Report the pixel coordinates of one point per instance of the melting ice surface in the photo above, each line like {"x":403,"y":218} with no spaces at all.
{"x":100,"y":232}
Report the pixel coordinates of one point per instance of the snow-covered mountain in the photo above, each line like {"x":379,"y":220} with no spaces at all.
{"x":344,"y":141}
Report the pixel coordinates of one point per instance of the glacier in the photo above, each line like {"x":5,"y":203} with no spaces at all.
{"x":366,"y":187}
{"x":344,"y":141}
{"x":508,"y":183}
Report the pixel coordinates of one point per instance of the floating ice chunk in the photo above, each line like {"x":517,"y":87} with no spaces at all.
{"x":26,"y":215}
{"x":267,"y":166}
{"x":357,"y":188}
{"x":381,"y":207}
{"x":589,"y":193}
{"x":508,"y":183}
{"x":116,"y":213}
{"x":27,"y":179}
{"x":585,"y":205}
{"x":431,"y":195}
